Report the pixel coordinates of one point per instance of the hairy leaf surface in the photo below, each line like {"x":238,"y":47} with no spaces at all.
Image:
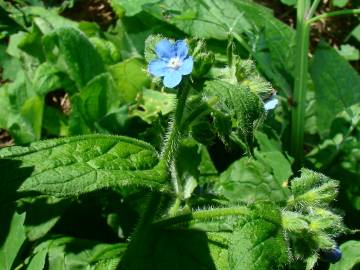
{"x":77,"y":165}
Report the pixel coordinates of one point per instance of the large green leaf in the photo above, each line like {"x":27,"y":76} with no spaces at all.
{"x":249,"y":180}
{"x":77,"y":165}
{"x":92,"y":103}
{"x":350,"y":256}
{"x":10,"y":246}
{"x":258,"y":240}
{"x":130,"y":78}
{"x":22,"y":110}
{"x":337,"y":85}
{"x":76,"y":55}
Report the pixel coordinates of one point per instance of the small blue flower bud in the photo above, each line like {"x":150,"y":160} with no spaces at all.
{"x":331,"y":255}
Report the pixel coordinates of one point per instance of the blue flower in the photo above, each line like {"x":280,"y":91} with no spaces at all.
{"x":271,"y":103}
{"x":173,"y":62}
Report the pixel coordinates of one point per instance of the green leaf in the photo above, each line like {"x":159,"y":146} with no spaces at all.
{"x":248,"y":180}
{"x":257,"y":242}
{"x":76,"y":253}
{"x":130,"y":78}
{"x":78,"y":165}
{"x":106,"y":49}
{"x":22,"y":110}
{"x":42,"y":213}
{"x":38,"y":261}
{"x":349,"y":52}
{"x":55,"y":122}
{"x":48,"y":77}
{"x":356,"y":32}
{"x":336,"y":84}
{"x":289,"y":2}
{"x":241,"y":104}
{"x":152,"y":103}
{"x":177,"y":250}
{"x":312,"y":189}
{"x":340,"y":3}
{"x":78,"y":56}
{"x":14,"y":239}
{"x":132,"y":7}
{"x":350,"y":256}
{"x":193,"y":17}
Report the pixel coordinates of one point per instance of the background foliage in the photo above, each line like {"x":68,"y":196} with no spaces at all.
{"x":98,"y":195}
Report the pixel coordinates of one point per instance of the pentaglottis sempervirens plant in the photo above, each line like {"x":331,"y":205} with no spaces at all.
{"x":176,"y":135}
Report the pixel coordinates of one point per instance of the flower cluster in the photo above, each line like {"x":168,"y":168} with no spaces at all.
{"x":173,"y":62}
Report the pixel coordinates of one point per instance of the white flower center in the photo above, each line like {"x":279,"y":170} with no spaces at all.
{"x":174,"y":63}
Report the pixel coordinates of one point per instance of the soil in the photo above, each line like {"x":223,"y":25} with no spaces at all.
{"x":98,"y":11}
{"x":60,"y":100}
{"x":5,"y":138}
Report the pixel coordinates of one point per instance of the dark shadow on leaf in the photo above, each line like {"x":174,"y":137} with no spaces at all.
{"x":12,"y":176}
{"x":172,"y":249}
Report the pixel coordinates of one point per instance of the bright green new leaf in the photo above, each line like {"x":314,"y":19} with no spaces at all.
{"x":349,"y":52}
{"x":340,"y":3}
{"x":78,"y":165}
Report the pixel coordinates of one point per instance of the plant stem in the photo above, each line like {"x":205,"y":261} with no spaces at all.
{"x":134,"y":252}
{"x":300,"y":87}
{"x":203,"y":215}
{"x":172,"y":141}
{"x":313,"y":8}
{"x":143,"y":231}
{"x":333,"y":14}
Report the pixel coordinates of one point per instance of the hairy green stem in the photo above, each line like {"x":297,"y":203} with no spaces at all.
{"x":172,"y":141}
{"x":333,"y":14}
{"x":207,"y":214}
{"x":300,"y":87}
{"x":143,"y":230}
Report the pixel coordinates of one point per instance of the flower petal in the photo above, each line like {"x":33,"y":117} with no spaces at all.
{"x":271,"y":103}
{"x":158,"y":67}
{"x":172,"y":78}
{"x":181,"y":49}
{"x":164,"y":49}
{"x":187,"y":66}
